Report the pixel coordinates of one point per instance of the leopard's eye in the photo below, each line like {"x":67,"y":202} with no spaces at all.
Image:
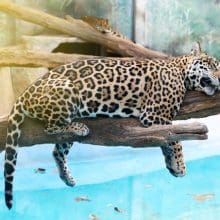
{"x":214,"y":65}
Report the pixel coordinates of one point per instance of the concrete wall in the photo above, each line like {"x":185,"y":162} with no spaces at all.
{"x":173,"y":25}
{"x":6,"y":89}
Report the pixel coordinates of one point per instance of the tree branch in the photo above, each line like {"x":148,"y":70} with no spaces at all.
{"x":199,"y":105}
{"x":20,"y":57}
{"x":16,"y":56}
{"x":109,"y":132}
{"x":79,"y":28}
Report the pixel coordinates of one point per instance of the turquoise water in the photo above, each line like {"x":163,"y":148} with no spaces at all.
{"x":117,"y":183}
{"x":152,"y":195}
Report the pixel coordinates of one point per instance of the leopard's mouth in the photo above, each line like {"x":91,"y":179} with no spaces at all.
{"x":209,"y":90}
{"x":209,"y":85}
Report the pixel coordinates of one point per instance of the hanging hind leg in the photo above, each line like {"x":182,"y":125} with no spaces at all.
{"x":59,"y":153}
{"x":61,"y":150}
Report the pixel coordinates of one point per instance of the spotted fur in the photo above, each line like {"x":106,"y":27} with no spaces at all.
{"x":151,"y":90}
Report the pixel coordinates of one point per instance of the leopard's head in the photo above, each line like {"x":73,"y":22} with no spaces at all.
{"x":201,"y":72}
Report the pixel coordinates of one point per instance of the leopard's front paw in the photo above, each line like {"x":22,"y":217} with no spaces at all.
{"x":78,"y":128}
{"x":174,"y":160}
{"x":68,"y":179}
{"x":177,"y":172}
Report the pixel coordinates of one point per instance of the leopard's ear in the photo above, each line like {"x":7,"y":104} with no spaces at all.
{"x":196,"y":49}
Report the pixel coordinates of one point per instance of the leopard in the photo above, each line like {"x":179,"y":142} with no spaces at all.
{"x":103,"y":26}
{"x":151,"y":90}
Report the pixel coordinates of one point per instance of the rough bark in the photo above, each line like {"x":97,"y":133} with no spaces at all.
{"x":110,"y":132}
{"x":19,"y":57}
{"x":199,"y":105}
{"x":16,"y":56}
{"x":79,"y":28}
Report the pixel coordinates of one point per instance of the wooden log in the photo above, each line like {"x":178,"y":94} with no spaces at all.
{"x":16,"y":56}
{"x":19,"y":57}
{"x":79,"y":28}
{"x":199,"y":105}
{"x":109,"y":132}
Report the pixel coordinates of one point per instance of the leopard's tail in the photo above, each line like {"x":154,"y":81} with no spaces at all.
{"x":16,"y":118}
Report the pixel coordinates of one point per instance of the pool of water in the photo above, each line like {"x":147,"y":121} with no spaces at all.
{"x":117,"y":183}
{"x":153,"y":195}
